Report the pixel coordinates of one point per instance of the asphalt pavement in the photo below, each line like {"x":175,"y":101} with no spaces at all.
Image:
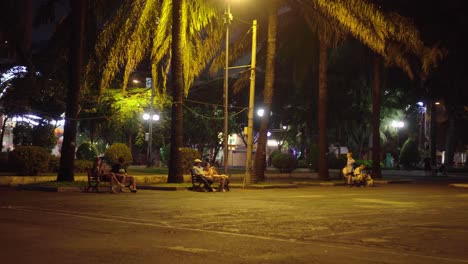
{"x":425,"y":221}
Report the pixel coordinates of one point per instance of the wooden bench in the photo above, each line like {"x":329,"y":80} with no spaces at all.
{"x":200,"y":183}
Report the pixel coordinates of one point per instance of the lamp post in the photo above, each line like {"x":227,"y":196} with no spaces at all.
{"x":227,"y":22}
{"x":248,"y":163}
{"x":151,"y":116}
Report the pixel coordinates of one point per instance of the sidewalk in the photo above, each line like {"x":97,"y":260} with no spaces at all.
{"x":273,"y":179}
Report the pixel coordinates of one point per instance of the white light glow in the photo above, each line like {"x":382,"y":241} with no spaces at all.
{"x":146,"y":116}
{"x":260,"y":112}
{"x":397,"y":124}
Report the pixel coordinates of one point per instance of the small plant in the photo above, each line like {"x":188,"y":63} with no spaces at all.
{"x":86,"y":151}
{"x":285,"y":162}
{"x":117,"y":150}
{"x":30,"y":160}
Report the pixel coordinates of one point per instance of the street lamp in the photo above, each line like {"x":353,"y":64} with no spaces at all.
{"x":227,"y":22}
{"x":151,"y":116}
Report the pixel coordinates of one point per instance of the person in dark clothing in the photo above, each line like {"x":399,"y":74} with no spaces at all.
{"x":120,"y":171}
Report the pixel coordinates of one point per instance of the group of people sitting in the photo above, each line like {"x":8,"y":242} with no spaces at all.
{"x":358,"y":176}
{"x":210,"y":174}
{"x":116,"y":175}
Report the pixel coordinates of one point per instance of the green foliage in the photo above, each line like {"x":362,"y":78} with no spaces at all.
{"x":285,"y":162}
{"x":86,"y":151}
{"x":54,"y":163}
{"x":312,"y":156}
{"x":302,"y":164}
{"x":22,"y":134}
{"x":188,"y":155}
{"x":117,"y":150}
{"x":82,"y":165}
{"x":409,"y":155}
{"x":29,"y":160}
{"x":43,"y":136}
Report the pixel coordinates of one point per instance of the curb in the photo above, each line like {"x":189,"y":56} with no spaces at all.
{"x":162,"y":188}
{"x":459,"y":185}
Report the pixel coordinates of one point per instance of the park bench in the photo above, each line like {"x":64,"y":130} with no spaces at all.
{"x":200,"y":183}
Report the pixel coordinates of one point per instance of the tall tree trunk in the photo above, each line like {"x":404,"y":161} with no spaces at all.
{"x":433,"y":133}
{"x":175,"y":161}
{"x":376,"y":97}
{"x":67,"y":159}
{"x":4,"y":120}
{"x":450,"y":138}
{"x":260,"y":155}
{"x":323,"y":112}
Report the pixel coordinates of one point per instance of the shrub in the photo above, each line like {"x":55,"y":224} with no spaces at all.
{"x":29,"y":160}
{"x":188,"y":155}
{"x":285,"y":162}
{"x":409,"y":154}
{"x":82,"y":165}
{"x":86,"y":151}
{"x":302,"y":164}
{"x":312,"y":156}
{"x":43,"y":136}
{"x":54,"y":163}
{"x":117,"y":150}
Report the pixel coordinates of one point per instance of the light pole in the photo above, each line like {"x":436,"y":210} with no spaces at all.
{"x":151,"y":116}
{"x":248,"y":162}
{"x":227,"y":22}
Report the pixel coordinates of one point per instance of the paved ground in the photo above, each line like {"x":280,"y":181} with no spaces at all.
{"x":421,"y":222}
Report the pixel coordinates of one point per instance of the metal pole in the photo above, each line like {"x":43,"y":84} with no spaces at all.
{"x":150,"y":136}
{"x":248,"y":162}
{"x":227,"y":21}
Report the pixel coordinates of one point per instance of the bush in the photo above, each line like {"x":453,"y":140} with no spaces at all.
{"x":285,"y":162}
{"x":302,"y":164}
{"x":409,"y":155}
{"x":86,"y":151}
{"x":54,"y":163}
{"x":117,"y":150}
{"x":30,"y":160}
{"x":188,"y":155}
{"x":43,"y":136}
{"x":312,"y":156}
{"x":5,"y":165}
{"x":82,"y":165}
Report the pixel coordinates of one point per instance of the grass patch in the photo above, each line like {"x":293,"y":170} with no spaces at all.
{"x":59,"y":184}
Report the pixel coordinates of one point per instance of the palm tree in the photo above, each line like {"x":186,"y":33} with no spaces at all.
{"x":393,"y":37}
{"x":66,"y":170}
{"x":182,"y":35}
{"x":260,"y":155}
{"x":175,"y":170}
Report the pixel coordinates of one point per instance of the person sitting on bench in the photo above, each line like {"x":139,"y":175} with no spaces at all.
{"x":121,"y":174}
{"x":200,"y":172}
{"x":361,"y":177}
{"x":98,"y":170}
{"x":213,"y":173}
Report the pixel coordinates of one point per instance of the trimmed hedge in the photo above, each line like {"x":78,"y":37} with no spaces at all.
{"x":117,"y":150}
{"x":86,"y":151}
{"x":285,"y":162}
{"x":29,"y":160}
